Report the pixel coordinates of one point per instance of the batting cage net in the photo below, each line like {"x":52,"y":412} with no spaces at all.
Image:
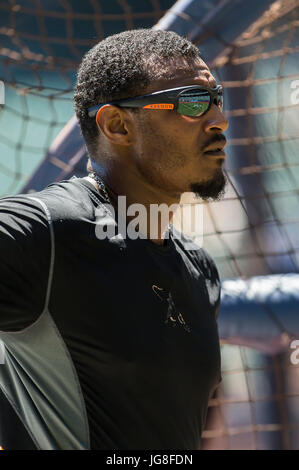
{"x":252,"y":233}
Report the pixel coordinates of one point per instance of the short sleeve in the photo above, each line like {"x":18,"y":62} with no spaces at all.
{"x":25,"y":253}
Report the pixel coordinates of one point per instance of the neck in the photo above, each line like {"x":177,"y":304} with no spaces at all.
{"x":147,"y":207}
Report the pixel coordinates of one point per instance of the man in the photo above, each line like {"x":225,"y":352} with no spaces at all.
{"x":111,"y":342}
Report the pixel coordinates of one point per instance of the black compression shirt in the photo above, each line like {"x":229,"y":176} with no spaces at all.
{"x":108,"y":344}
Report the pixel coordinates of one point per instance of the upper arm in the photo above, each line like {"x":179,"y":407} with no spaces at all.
{"x":25,"y":251}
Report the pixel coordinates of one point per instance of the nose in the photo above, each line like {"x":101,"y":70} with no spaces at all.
{"x":215,"y":120}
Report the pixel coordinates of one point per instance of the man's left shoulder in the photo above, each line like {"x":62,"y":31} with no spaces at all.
{"x":196,"y":254}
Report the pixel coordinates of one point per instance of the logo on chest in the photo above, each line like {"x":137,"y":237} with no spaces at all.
{"x":173,"y":316}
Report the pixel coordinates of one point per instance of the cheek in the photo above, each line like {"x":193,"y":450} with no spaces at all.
{"x":188,"y":134}
{"x":170,"y":143}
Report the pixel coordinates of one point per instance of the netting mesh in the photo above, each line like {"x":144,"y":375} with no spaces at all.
{"x":256,"y":406}
{"x":42,"y":44}
{"x":254,"y":230}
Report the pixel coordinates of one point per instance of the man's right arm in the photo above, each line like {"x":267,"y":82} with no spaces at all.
{"x":25,"y":253}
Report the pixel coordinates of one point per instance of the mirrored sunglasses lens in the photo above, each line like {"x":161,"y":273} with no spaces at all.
{"x":193,"y":103}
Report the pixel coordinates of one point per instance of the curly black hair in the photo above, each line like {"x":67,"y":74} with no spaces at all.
{"x":121,"y":66}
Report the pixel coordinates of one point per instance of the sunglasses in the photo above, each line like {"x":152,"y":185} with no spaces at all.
{"x":193,"y":100}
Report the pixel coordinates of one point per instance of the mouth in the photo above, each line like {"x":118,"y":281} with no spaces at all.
{"x":217,"y":149}
{"x":219,"y":153}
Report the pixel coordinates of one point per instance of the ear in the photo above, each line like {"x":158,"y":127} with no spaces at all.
{"x":115,"y":123}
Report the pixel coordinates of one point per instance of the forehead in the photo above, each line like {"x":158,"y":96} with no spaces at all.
{"x":179,"y":72}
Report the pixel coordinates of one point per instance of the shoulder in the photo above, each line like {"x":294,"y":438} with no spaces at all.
{"x":196,"y":254}
{"x":204,"y":264}
{"x":21,"y":218}
{"x":28,"y":218}
{"x":68,"y":199}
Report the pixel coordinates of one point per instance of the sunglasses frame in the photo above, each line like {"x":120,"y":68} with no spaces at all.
{"x":170,"y":99}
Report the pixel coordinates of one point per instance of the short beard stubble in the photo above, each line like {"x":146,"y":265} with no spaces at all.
{"x":212,"y":190}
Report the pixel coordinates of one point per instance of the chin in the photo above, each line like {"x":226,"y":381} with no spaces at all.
{"x":211,"y":190}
